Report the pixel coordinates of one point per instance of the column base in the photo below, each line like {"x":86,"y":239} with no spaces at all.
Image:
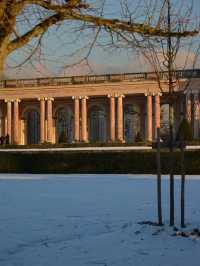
{"x":121,"y":141}
{"x":76,"y":141}
{"x":82,"y":141}
{"x":85,"y":141}
{"x":111,"y":141}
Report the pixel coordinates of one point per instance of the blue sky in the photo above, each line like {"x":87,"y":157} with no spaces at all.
{"x":59,"y":45}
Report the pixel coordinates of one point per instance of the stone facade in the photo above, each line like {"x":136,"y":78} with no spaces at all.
{"x":102,"y":110}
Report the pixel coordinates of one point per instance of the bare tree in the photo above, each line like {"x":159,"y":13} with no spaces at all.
{"x":22,"y":21}
{"x":170,"y":51}
{"x":161,"y":52}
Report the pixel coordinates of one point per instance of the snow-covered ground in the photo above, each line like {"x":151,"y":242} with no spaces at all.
{"x":78,"y":220}
{"x":120,"y":148}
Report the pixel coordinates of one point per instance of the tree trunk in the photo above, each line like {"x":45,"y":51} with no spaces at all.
{"x":159,"y":189}
{"x":182,"y":186}
{"x":171,"y":122}
{"x":171,"y":180}
{"x":2,"y":62}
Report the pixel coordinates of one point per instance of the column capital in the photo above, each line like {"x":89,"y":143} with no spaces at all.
{"x":84,"y":97}
{"x":157,"y":94}
{"x":47,"y":99}
{"x":76,"y":97}
{"x":41,"y":98}
{"x":149,"y":93}
{"x":17,"y":100}
{"x":117,"y":95}
{"x":50,"y":99}
{"x":8,"y":100}
{"x":111,"y":96}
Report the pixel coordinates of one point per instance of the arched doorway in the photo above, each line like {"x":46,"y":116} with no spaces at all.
{"x":97,"y":124}
{"x":64,"y":125}
{"x":32,"y":126}
{"x":132,"y":127}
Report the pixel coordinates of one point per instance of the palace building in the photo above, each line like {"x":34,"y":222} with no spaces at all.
{"x":102,"y":108}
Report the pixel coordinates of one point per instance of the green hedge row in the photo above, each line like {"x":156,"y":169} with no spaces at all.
{"x":138,"y":162}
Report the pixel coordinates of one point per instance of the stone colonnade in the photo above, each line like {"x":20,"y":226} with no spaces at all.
{"x":116,"y":116}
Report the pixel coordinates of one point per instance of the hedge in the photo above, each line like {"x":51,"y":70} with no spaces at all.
{"x":137,"y":162}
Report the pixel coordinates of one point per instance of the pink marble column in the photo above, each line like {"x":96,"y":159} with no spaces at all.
{"x":149,"y":117}
{"x":120,"y":133}
{"x":112,"y":118}
{"x":84,"y":133}
{"x":42,"y":120}
{"x":157,"y":113}
{"x":49,"y":119}
{"x":9,"y":119}
{"x":76,"y":119}
{"x":16,"y":122}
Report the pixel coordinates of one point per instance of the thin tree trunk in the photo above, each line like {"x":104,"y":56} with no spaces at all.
{"x":182,"y":185}
{"x":171,"y":166}
{"x":171,"y":122}
{"x":159,"y":189}
{"x":2,"y":63}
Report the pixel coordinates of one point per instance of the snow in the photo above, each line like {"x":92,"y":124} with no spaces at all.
{"x":193,"y":147}
{"x":78,"y":220}
{"x":120,"y":148}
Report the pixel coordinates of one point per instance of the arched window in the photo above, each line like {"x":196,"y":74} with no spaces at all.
{"x":33,"y":125}
{"x":64,"y":126}
{"x":132,"y":127}
{"x":97,"y":124}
